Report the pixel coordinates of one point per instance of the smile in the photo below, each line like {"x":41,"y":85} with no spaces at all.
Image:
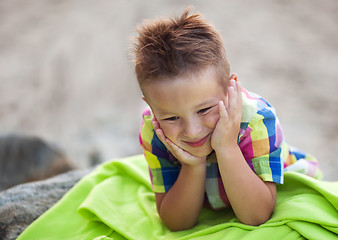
{"x":198,"y":143}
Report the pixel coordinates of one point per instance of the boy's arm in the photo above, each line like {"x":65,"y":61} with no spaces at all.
{"x":180,"y":207}
{"x":252,"y":199}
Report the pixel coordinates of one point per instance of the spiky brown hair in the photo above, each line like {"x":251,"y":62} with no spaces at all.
{"x":166,"y":48}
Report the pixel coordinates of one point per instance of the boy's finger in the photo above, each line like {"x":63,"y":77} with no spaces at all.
{"x":155,"y":124}
{"x":166,"y":141}
{"x":178,"y":152}
{"x":174,"y":149}
{"x":232,"y":83}
{"x":239,"y":91}
{"x":235,"y":102}
{"x":235,"y":97}
{"x":231,"y":98}
{"x":222,"y":110}
{"x":172,"y":145}
{"x":160,"y":134}
{"x":154,"y":121}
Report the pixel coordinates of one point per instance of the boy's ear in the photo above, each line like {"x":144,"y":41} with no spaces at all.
{"x":233,"y":76}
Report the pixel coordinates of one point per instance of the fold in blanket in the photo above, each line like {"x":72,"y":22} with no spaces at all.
{"x":116,"y":202}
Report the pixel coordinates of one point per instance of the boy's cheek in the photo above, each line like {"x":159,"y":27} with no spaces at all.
{"x":213,"y":120}
{"x":169,"y":131}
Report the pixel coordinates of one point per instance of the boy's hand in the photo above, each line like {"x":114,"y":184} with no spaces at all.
{"x":182,"y":155}
{"x":226,"y":131}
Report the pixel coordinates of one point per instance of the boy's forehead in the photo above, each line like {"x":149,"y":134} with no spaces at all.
{"x":209,"y":73}
{"x":195,"y":90}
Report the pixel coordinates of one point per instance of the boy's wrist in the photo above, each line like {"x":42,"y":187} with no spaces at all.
{"x":225,"y":146}
{"x":228,"y":152}
{"x":196,"y":166}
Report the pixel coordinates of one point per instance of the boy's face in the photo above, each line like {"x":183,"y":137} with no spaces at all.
{"x":187,"y":109}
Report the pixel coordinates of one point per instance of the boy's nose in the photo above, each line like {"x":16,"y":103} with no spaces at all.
{"x":192,"y":129}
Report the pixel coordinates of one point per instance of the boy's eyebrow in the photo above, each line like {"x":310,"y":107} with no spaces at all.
{"x":206,"y":102}
{"x":165,"y":113}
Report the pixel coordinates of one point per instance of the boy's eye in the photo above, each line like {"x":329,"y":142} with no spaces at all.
{"x":171,"y":118}
{"x":204,"y":110}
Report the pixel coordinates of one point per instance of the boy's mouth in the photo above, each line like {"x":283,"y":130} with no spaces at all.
{"x":197,"y":143}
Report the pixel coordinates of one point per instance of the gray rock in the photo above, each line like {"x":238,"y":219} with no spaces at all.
{"x":26,"y":158}
{"x":21,"y":205}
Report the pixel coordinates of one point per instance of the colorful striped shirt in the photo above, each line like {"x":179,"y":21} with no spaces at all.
{"x":260,"y":139}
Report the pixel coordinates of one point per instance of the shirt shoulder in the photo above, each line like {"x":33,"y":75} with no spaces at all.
{"x":253,"y":106}
{"x":261,"y":138}
{"x":148,"y":138}
{"x":164,"y":168}
{"x":147,"y":131}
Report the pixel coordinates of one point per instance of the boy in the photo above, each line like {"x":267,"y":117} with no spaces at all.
{"x":206,"y":139}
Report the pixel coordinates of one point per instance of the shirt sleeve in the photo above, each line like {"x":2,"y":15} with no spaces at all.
{"x":163,"y":167}
{"x":263,"y":145}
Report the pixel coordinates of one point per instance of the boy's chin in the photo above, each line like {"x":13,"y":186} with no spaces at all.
{"x":201,"y":152}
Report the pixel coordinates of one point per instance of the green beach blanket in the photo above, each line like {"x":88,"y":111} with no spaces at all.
{"x":116,"y":202}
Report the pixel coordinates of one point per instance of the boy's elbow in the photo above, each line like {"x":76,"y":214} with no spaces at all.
{"x":178,"y":223}
{"x":256,"y":220}
{"x":174,"y":227}
{"x":259,"y":215}
{"x":178,"y":228}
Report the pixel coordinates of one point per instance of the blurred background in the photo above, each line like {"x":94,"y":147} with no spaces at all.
{"x":66,"y":73}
